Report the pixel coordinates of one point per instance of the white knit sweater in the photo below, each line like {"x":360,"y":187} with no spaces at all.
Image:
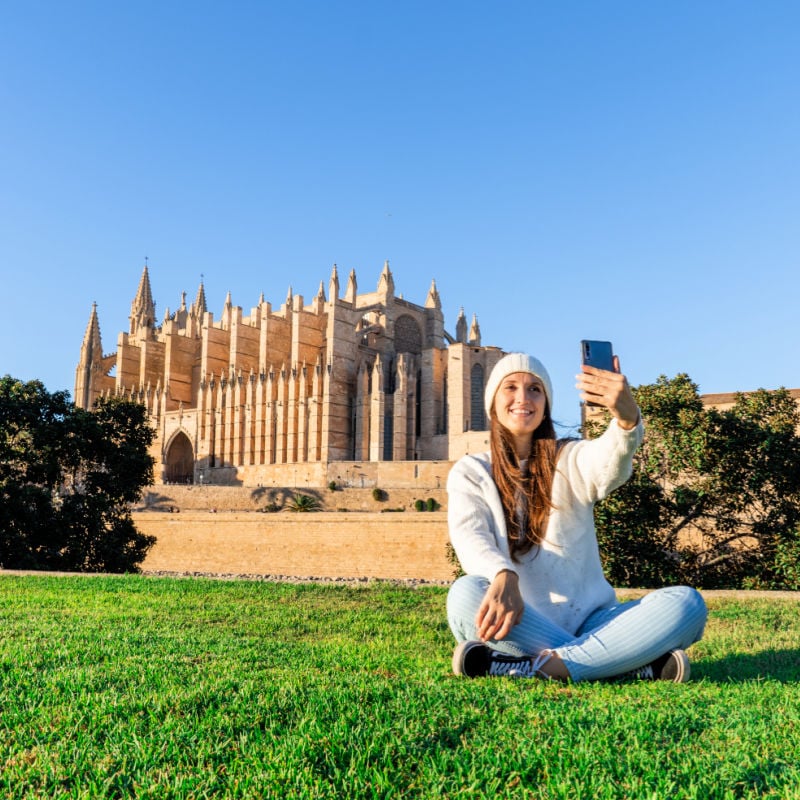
{"x":563,"y":578}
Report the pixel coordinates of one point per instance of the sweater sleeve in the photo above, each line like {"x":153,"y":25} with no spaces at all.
{"x":595,"y":467}
{"x":475,"y":520}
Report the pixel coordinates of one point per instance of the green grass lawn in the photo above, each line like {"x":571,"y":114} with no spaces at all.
{"x":191,"y":688}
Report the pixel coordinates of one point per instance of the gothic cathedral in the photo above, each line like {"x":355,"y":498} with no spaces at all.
{"x":363,"y":377}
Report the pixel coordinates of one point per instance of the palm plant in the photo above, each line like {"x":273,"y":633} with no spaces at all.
{"x":302,"y":503}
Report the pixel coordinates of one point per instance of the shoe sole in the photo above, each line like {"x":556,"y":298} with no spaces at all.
{"x":677,"y":669}
{"x":462,"y":654}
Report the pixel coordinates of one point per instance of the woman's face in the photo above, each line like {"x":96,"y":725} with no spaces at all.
{"x":519,"y":405}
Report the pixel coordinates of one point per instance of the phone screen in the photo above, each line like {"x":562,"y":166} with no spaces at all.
{"x":597,"y":354}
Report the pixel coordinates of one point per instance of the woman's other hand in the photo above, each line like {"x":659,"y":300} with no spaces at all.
{"x":610,"y":390}
{"x":501,"y":608}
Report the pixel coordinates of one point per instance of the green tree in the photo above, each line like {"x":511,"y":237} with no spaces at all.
{"x":714,"y":499}
{"x":755,"y":452}
{"x":67,"y":478}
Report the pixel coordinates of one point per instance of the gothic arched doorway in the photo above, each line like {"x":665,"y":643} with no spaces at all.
{"x":179,"y":463}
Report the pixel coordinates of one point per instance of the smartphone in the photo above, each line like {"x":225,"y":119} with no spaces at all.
{"x":597,"y":354}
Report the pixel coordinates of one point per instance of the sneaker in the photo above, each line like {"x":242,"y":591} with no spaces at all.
{"x":474,"y":660}
{"x":673,"y":666}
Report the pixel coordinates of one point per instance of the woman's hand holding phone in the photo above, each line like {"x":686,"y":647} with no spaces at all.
{"x":608,"y":388}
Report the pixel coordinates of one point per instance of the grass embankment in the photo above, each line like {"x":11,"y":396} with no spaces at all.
{"x":145,"y":687}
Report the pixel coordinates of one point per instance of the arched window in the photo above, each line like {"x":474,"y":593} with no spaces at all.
{"x":477,"y":416}
{"x":407,"y":335}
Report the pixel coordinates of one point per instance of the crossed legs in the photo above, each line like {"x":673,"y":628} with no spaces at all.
{"x":610,"y":642}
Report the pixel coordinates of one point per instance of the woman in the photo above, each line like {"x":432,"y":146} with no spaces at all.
{"x":534,"y":601}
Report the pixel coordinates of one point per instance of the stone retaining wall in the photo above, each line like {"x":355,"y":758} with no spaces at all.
{"x":162,"y":497}
{"x":392,"y":546}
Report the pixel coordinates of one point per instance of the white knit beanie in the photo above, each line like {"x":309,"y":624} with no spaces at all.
{"x":516,"y":362}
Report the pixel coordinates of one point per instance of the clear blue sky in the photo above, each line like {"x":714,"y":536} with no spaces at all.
{"x":618,"y":170}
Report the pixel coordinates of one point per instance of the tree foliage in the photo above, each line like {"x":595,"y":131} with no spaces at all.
{"x":714,"y":499}
{"x":67,"y":477}
{"x":302,"y":503}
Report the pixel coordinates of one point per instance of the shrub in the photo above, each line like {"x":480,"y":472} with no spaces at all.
{"x":419,"y":505}
{"x":379,"y":494}
{"x":332,"y":486}
{"x":303,"y":503}
{"x":452,"y":558}
{"x":432,"y":504}
{"x":784,"y":566}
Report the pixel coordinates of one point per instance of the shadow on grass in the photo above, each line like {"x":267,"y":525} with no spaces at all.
{"x":775,"y":665}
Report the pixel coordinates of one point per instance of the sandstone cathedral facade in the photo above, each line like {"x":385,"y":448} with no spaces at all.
{"x":365,"y":377}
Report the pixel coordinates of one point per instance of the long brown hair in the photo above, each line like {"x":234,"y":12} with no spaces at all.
{"x":536,"y":486}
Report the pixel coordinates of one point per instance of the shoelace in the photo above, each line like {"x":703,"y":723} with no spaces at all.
{"x":522,"y":667}
{"x":644,"y":673}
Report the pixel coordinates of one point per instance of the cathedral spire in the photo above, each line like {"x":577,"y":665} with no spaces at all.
{"x":92,"y":347}
{"x":182,"y":314}
{"x":386,"y":281}
{"x":226,"y":317}
{"x":333,"y":286}
{"x":352,"y":288}
{"x":433,"y":300}
{"x":199,"y":304}
{"x":475,"y":332}
{"x":143,"y":309}
{"x":461,"y":327}
{"x":91,"y":365}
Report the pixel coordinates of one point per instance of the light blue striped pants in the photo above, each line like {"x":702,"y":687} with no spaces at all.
{"x":610,"y":642}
